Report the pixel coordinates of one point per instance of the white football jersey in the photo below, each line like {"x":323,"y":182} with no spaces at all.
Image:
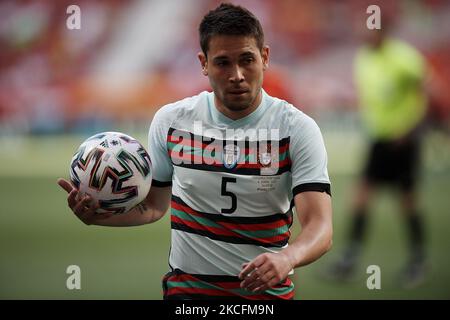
{"x":233,"y":181}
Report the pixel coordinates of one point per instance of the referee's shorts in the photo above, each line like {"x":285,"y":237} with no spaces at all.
{"x":394,"y":163}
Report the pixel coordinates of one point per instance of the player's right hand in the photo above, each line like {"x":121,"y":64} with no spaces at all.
{"x":83,"y":206}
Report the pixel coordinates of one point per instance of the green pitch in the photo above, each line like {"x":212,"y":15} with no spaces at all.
{"x":40,"y":237}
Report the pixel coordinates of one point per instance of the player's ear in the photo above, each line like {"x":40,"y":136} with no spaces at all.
{"x":265,"y":53}
{"x":204,"y":62}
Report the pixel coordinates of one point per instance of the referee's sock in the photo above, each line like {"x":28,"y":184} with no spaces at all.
{"x":413,"y":274}
{"x":359,"y":227}
{"x":416,"y":237}
{"x":357,"y":234}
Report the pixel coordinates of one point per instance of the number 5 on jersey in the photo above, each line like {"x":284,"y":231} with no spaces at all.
{"x":226,"y":193}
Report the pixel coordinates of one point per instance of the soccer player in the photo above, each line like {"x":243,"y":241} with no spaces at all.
{"x":389,"y":76}
{"x":232,"y":164}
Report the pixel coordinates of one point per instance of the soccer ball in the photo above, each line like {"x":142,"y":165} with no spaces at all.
{"x":114,"y":169}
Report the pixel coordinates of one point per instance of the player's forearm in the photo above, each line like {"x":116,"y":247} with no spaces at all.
{"x":314,"y":241}
{"x":140,"y":215}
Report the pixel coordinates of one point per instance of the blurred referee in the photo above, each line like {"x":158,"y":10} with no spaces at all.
{"x":389,"y":77}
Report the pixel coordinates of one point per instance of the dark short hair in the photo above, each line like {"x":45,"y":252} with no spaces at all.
{"x":231,"y":20}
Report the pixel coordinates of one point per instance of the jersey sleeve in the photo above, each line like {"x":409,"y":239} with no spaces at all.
{"x":157,"y":146}
{"x":308,"y":157}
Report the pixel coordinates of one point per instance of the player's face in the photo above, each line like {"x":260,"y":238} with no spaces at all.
{"x":235,"y":67}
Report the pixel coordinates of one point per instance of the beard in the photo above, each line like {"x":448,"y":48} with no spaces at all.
{"x":238,"y":102}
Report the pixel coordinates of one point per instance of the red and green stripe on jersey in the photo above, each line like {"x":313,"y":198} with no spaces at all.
{"x":180,"y":285}
{"x":266,"y":231}
{"x":203,"y":153}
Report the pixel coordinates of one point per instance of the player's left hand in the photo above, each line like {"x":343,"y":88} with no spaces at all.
{"x":265,"y":271}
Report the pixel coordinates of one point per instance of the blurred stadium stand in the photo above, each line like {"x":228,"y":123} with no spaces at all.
{"x":132,"y":57}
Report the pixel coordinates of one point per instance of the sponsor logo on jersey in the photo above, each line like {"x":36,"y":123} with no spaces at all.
{"x":231,"y":154}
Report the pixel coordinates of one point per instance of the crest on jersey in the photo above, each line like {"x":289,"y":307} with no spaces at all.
{"x":265,"y":156}
{"x":230,"y":156}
